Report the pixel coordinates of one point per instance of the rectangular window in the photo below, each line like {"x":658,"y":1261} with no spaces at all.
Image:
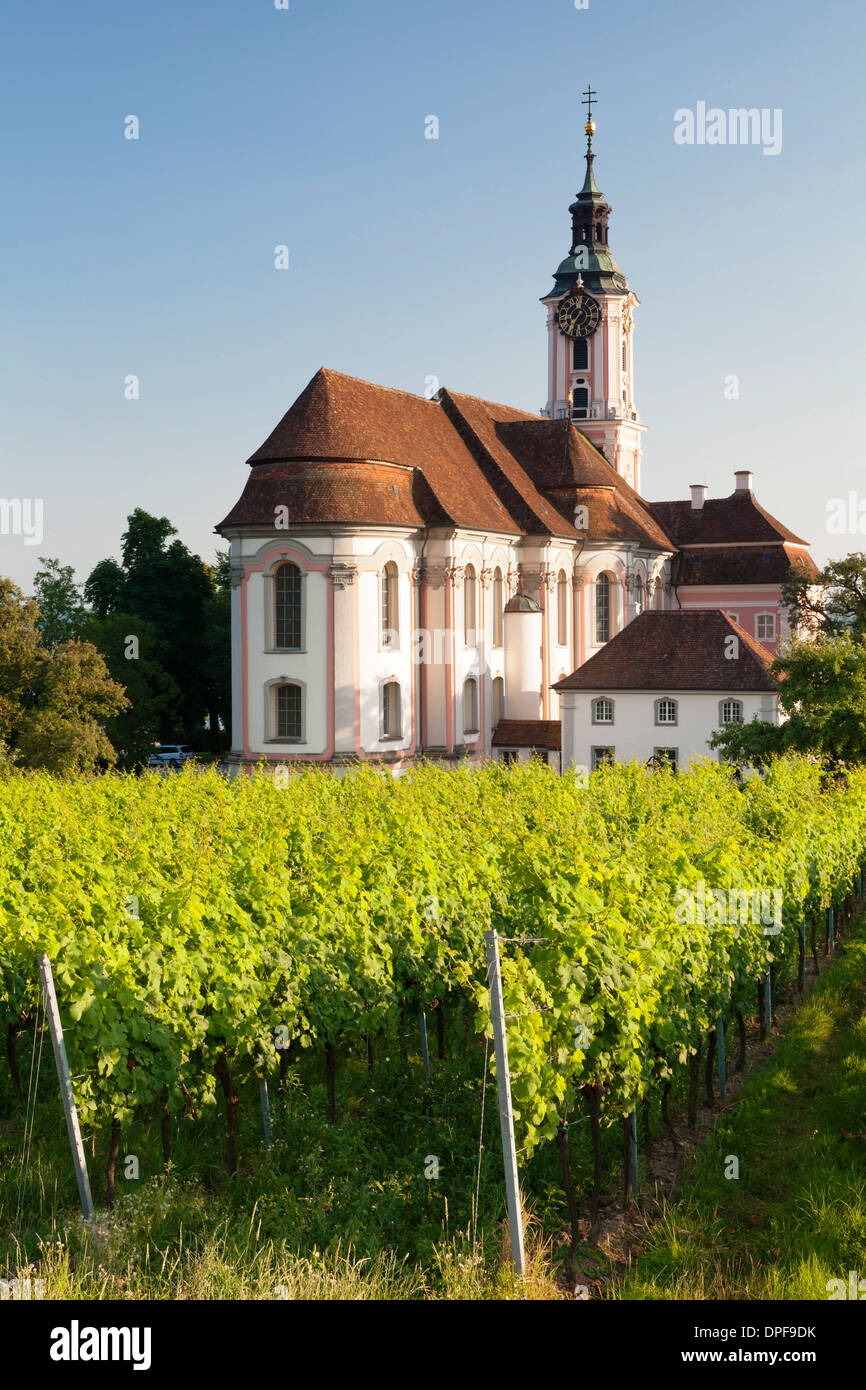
{"x":667,"y":757}
{"x":765,"y":627}
{"x":666,"y":712}
{"x":602,"y":757}
{"x":731,"y":711}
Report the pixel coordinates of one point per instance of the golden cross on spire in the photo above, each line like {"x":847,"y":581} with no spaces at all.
{"x":588,"y":98}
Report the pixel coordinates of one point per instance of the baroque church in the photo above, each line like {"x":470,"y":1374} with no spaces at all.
{"x":443,"y":578}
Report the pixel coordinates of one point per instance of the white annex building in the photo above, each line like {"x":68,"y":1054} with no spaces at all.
{"x":418,"y":578}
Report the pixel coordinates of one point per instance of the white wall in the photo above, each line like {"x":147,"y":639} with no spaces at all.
{"x":309,"y":666}
{"x":342,"y":567}
{"x":634,"y":733}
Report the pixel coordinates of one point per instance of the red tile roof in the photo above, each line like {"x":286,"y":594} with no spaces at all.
{"x":740,"y":564}
{"x":572,"y":471}
{"x":338,"y":492}
{"x":680,"y":650}
{"x":338,"y":419}
{"x":722,"y":519}
{"x":464,"y":462}
{"x":528,"y":733}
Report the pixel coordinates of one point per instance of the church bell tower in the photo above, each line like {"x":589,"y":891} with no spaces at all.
{"x":590,"y":324}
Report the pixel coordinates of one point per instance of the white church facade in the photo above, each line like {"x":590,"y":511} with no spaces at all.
{"x":410,"y":576}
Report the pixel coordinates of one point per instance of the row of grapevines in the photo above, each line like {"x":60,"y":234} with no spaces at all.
{"x":192,"y":920}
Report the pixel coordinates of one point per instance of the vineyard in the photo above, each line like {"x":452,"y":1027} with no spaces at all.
{"x":207,"y":934}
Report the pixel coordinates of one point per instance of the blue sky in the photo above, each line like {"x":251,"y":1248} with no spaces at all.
{"x":412,"y":257}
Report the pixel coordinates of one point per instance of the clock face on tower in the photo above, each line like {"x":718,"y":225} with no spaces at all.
{"x":579,"y":315}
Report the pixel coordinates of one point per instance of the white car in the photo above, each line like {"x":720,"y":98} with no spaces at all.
{"x":170,"y":755}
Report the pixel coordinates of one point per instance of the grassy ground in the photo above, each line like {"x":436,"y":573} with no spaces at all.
{"x":795,"y":1218}
{"x":346,"y":1211}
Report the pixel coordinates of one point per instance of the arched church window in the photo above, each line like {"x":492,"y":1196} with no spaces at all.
{"x":498,"y":606}
{"x":392,"y":719}
{"x":602,"y":608}
{"x":580,"y":359}
{"x":287,"y":608}
{"x":562,"y":610}
{"x":288,"y":711}
{"x":390,"y":605}
{"x":580,"y":403}
{"x":470,"y":706}
{"x":498,"y":710}
{"x":470,"y":606}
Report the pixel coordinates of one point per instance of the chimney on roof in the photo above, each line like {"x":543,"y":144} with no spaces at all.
{"x":744,"y":480}
{"x":699,"y":496}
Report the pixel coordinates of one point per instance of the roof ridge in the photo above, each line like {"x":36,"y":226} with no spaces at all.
{"x":375,"y":385}
{"x":500,"y":405}
{"x":491,"y":463}
{"x":647,"y":656}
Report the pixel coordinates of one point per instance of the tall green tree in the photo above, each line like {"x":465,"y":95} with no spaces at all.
{"x":62,"y":612}
{"x":217,"y":666}
{"x":834,"y":602}
{"x":180,"y":598}
{"x":822,"y":692}
{"x":150,"y":690}
{"x":53,"y":702}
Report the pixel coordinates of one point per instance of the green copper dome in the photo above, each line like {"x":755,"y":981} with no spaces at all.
{"x":598,"y":268}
